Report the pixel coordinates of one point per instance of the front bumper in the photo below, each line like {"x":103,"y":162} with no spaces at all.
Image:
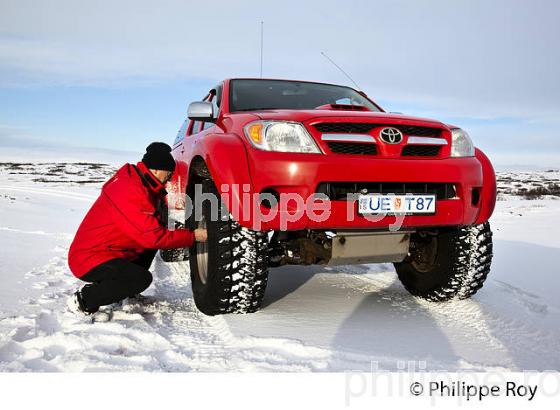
{"x":289,"y":173}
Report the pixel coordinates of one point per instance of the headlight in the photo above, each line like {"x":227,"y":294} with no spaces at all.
{"x":281,"y":136}
{"x":461,"y":144}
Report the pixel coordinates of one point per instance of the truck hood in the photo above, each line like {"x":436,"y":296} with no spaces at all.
{"x":308,"y":115}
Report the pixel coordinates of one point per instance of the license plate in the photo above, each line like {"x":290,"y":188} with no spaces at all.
{"x":396,"y":204}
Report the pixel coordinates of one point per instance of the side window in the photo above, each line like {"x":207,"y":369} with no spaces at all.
{"x":206,"y":125}
{"x":181,"y":133}
{"x":217,"y":99}
{"x":194,"y":129}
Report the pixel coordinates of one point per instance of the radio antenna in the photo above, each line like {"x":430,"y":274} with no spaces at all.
{"x":262,"y":44}
{"x":341,"y":70}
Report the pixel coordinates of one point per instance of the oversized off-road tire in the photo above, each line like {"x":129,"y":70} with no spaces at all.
{"x":452,"y":263}
{"x":229,"y":271}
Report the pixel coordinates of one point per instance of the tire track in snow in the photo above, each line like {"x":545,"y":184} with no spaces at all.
{"x":167,"y":335}
{"x":481,"y":335}
{"x":216,"y":343}
{"x":50,"y":192}
{"x":42,"y":233}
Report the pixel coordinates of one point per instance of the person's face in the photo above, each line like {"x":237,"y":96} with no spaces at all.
{"x":162,"y":175}
{"x":167,"y":177}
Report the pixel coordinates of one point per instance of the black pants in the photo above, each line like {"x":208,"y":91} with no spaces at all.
{"x":117,"y":279}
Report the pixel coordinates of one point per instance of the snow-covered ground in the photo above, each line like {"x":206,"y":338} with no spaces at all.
{"x":314,"y":319}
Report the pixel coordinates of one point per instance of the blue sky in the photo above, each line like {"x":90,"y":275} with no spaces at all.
{"x":120,"y":74}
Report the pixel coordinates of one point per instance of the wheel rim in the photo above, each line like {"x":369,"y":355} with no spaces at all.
{"x":202,"y":255}
{"x":425,"y":255}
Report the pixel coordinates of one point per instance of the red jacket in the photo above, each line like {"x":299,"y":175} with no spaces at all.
{"x":122,"y":222}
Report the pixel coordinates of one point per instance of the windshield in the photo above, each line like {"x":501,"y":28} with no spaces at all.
{"x":252,"y":95}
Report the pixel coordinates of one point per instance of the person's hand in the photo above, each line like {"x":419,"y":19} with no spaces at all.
{"x":200,"y":235}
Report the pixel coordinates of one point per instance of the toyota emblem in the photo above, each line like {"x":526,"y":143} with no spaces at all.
{"x":391,"y":135}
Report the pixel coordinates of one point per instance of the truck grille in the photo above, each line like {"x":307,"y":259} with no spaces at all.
{"x":339,"y":190}
{"x":420,"y":151}
{"x":419,"y":131}
{"x":365,"y":128}
{"x":345,"y":127}
{"x":355,"y":148}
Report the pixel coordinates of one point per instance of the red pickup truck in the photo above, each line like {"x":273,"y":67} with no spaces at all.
{"x":295,"y":172}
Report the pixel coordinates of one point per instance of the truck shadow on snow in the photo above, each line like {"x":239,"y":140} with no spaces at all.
{"x":366,"y":321}
{"x":505,"y":325}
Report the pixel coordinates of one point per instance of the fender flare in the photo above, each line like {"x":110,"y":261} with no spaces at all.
{"x":488,"y":191}
{"x":225,"y":156}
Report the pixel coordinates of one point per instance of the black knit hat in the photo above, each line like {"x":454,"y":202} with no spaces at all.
{"x":158,"y":156}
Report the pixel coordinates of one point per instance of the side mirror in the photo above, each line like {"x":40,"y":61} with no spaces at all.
{"x":201,"y":111}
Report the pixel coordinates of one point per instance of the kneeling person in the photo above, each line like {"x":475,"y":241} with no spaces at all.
{"x":121,"y":233}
